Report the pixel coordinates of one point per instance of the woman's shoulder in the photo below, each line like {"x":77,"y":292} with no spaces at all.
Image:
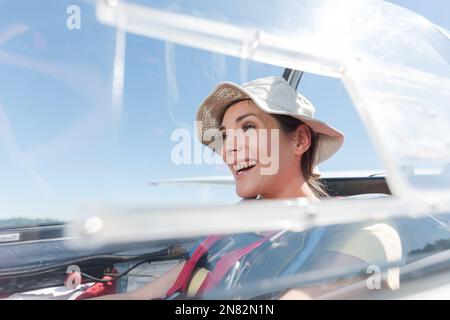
{"x":370,"y":240}
{"x":374,"y":243}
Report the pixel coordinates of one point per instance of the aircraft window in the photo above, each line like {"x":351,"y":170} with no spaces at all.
{"x":97,"y":132}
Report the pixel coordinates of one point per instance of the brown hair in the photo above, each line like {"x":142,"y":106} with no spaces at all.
{"x":289,"y":124}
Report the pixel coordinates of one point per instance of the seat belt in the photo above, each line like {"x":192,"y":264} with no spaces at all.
{"x":180,"y":285}
{"x":224,"y":264}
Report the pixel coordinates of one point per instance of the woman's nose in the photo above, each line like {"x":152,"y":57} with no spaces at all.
{"x":234,"y":144}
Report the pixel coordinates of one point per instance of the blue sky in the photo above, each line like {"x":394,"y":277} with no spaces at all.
{"x":437,"y":11}
{"x":61,"y":149}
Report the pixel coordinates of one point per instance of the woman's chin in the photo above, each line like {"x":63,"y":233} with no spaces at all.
{"x":246,"y":193}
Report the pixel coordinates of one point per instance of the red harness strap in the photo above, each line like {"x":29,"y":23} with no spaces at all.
{"x":182,"y":281}
{"x":226,"y":263}
{"x":222,"y":267}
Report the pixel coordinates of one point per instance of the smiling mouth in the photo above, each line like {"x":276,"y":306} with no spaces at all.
{"x":244,"y":167}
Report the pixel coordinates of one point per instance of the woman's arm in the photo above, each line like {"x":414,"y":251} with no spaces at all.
{"x":154,"y":290}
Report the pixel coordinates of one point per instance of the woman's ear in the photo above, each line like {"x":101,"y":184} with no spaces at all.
{"x":302,"y":139}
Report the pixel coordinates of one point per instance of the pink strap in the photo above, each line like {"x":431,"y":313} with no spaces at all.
{"x":226,"y":263}
{"x":182,"y":281}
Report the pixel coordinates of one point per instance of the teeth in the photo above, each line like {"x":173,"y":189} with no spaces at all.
{"x":243,"y":165}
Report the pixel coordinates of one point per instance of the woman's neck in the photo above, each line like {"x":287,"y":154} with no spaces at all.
{"x":294,"y":188}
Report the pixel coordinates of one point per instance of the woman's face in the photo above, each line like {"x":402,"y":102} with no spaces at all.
{"x":251,"y":138}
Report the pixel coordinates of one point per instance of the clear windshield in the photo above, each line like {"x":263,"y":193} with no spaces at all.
{"x":92,"y":116}
{"x":97,"y":121}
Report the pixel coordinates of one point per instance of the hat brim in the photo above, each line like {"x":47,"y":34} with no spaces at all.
{"x":212,"y":109}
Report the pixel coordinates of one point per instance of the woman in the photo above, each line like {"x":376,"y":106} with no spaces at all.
{"x":271,"y":144}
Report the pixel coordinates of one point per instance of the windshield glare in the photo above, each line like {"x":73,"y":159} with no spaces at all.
{"x":97,"y":123}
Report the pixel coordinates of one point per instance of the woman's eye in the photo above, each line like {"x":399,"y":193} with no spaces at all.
{"x":247,"y":127}
{"x":224,"y":136}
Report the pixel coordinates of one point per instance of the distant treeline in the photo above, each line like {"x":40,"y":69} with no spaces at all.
{"x":440,"y":245}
